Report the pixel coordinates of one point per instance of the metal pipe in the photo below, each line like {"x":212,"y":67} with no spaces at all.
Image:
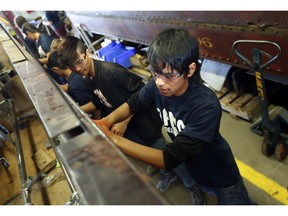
{"x":75,"y":199}
{"x":20,"y":158}
{"x":86,"y":38}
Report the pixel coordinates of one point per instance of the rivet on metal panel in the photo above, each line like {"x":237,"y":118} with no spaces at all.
{"x":236,"y":61}
{"x":279,"y":70}
{"x":228,"y":59}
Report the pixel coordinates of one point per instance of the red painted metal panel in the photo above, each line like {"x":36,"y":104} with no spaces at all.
{"x":216,"y":31}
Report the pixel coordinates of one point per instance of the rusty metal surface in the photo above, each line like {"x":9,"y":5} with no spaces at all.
{"x":215,"y":30}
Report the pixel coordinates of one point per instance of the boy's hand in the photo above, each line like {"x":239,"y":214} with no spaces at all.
{"x":102,"y":122}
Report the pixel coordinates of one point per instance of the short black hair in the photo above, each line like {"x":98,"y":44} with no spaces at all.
{"x":29,"y":27}
{"x":53,"y":61}
{"x":176,"y":48}
{"x":20,"y":20}
{"x":70,"y":49}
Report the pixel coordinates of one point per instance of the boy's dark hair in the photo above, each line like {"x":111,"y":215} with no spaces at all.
{"x":29,"y":27}
{"x":69,"y":50}
{"x":176,"y":48}
{"x":53,"y":61}
{"x":19,"y":21}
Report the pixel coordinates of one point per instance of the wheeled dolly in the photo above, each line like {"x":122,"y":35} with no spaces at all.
{"x":270,"y":129}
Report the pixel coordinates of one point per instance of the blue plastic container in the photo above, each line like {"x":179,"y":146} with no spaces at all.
{"x":124,"y":58}
{"x":120,"y":54}
{"x":106,"y":49}
{"x":113,"y":52}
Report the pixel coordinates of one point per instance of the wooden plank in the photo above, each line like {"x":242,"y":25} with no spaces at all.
{"x":43,"y":161}
{"x":222,"y":92}
{"x":33,"y":138}
{"x":228,"y":98}
{"x":241,"y":101}
{"x":252,"y":108}
{"x":141,"y":72}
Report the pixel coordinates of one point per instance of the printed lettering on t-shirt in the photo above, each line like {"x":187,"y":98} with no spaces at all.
{"x":41,"y":52}
{"x":171,"y":124}
{"x":102,"y":98}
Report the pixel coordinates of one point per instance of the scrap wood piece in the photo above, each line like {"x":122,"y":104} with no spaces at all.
{"x":43,"y":161}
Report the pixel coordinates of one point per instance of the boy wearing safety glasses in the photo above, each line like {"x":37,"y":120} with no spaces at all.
{"x":191,"y":115}
{"x":110,"y":85}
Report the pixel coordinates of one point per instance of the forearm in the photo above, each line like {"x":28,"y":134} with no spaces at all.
{"x":140,"y":152}
{"x":88,"y":107}
{"x":43,"y":60}
{"x":120,"y":114}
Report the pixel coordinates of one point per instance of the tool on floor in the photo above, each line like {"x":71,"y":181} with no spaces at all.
{"x":270,"y":129}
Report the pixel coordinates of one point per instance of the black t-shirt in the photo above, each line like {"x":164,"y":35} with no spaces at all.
{"x":192,"y":120}
{"x":77,"y":89}
{"x":112,"y":86}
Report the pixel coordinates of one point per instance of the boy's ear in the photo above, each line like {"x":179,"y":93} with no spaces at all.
{"x":192,"y":69}
{"x":55,"y":69}
{"x":88,"y":52}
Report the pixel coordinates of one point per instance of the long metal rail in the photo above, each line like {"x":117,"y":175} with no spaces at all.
{"x":96,"y":171}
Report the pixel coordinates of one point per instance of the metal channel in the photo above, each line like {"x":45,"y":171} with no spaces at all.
{"x":96,"y":170}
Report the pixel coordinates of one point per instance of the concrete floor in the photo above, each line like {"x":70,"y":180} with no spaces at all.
{"x":246,"y":147}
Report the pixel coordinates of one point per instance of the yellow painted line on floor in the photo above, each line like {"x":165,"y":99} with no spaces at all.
{"x":264,"y":183}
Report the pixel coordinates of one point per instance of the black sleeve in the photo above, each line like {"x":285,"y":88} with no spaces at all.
{"x":94,"y":100}
{"x":182,"y":148}
{"x":134,"y":102}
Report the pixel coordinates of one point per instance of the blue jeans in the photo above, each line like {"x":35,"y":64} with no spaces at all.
{"x":181,"y":171}
{"x":186,"y":178}
{"x":234,"y":195}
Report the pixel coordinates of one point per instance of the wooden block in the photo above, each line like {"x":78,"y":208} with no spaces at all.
{"x":138,"y":61}
{"x":228,"y":98}
{"x":43,"y":161}
{"x":221,"y":93}
{"x":241,"y":101}
{"x":141,"y":72}
{"x":252,"y":108}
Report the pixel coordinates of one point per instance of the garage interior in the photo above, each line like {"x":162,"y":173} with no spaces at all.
{"x":60,"y":166}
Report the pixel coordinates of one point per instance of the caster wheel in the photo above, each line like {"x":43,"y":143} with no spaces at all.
{"x":280,"y":152}
{"x":267,"y":149}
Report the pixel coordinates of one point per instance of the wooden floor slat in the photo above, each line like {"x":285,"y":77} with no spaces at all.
{"x":33,"y":138}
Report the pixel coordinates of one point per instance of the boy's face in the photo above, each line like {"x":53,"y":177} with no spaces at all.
{"x":30,"y":35}
{"x":171,"y":83}
{"x":80,"y":65}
